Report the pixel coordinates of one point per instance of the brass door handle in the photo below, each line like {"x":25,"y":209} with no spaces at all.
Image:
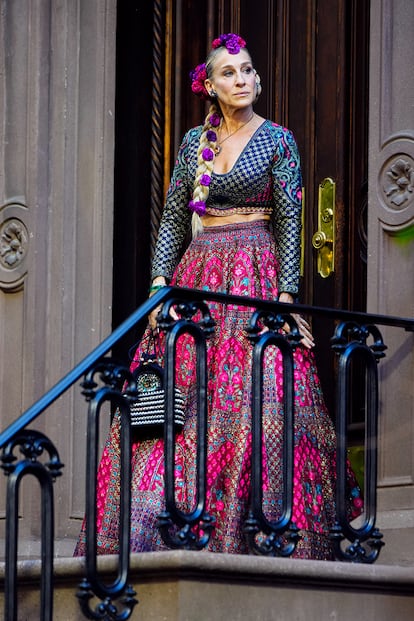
{"x":324,"y":239}
{"x":319,"y":239}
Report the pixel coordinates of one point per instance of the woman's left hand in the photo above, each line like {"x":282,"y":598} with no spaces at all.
{"x":303,"y":326}
{"x":305,"y":331}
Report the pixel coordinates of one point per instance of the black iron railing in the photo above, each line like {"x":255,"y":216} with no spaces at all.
{"x":356,"y":336}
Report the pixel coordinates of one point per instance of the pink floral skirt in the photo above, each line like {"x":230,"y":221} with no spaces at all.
{"x":236,"y":259}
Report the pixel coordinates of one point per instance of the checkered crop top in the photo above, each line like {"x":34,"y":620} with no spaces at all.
{"x":266,"y":178}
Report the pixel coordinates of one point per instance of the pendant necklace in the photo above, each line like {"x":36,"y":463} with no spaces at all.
{"x":217,"y":148}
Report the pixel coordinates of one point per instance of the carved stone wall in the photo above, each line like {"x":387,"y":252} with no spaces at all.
{"x":391,"y":261}
{"x":57,"y":82}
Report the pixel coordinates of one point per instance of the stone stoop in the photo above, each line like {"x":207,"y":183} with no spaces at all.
{"x":200,"y":586}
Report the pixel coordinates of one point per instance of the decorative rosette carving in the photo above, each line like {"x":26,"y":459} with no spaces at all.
{"x":13,"y":243}
{"x":399,"y":183}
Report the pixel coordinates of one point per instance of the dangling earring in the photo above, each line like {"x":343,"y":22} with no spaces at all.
{"x":258,"y":87}
{"x":213,"y":94}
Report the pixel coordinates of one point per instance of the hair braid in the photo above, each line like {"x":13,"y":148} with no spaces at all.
{"x":204,"y":167}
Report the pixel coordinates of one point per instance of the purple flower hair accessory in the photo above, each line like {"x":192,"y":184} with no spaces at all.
{"x":205,"y":180}
{"x":231,"y":41}
{"x":198,"y":75}
{"x":207,"y":154}
{"x":214,"y":119}
{"x":211,"y":135}
{"x":199,"y":207}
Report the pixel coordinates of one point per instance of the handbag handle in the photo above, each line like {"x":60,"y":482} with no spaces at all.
{"x":150,"y":350}
{"x":151,"y":359}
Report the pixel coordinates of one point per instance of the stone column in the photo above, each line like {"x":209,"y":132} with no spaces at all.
{"x":57,"y":84}
{"x":391,"y":261}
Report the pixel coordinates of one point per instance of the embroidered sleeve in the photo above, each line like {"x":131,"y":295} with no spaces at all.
{"x":176,"y":217}
{"x":287,"y":213}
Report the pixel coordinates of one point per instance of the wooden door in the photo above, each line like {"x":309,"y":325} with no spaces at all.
{"x":313,"y":56}
{"x":324,"y":91}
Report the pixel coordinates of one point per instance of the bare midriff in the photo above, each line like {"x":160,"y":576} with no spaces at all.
{"x":234,"y":218}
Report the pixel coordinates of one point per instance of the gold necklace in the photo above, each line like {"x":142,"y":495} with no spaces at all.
{"x":217,"y":148}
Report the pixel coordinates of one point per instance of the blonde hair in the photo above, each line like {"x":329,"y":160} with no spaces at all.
{"x":205,"y":166}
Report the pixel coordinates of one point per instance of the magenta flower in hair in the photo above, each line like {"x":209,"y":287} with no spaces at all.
{"x":214,"y":119}
{"x":198,"y":76}
{"x":231,"y":41}
{"x":199,"y":207}
{"x":207,"y":154}
{"x":211,"y":135}
{"x":205,"y":180}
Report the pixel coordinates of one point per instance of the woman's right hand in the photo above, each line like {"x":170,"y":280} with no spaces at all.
{"x":159,"y":281}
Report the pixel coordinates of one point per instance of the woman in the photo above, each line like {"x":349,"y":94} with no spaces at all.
{"x":238,"y":179}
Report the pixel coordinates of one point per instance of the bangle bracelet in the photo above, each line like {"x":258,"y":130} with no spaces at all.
{"x":155,"y":288}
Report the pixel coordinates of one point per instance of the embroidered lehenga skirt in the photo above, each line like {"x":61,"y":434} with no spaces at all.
{"x":236,"y":259}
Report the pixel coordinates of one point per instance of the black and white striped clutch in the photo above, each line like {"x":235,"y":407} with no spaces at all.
{"x":148,"y":411}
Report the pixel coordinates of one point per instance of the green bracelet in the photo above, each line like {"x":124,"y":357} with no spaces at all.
{"x":155,"y":288}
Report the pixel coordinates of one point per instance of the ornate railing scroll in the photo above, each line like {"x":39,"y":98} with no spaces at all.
{"x":350,"y":343}
{"x":281,"y":535}
{"x":192,"y":530}
{"x":118,"y":390}
{"x":32,"y":445}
